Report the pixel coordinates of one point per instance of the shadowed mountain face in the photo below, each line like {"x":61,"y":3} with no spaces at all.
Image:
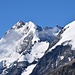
{"x":54,"y":59}
{"x":68,"y":69}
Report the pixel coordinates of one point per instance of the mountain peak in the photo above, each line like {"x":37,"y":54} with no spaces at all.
{"x":20,"y":22}
{"x":30,"y":24}
{"x":18,"y":25}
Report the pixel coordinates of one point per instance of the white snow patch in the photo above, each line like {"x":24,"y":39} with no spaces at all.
{"x":56,"y":63}
{"x":52,"y":65}
{"x":61,"y":57}
{"x":69,"y":59}
{"x":28,"y":70}
{"x":39,"y":49}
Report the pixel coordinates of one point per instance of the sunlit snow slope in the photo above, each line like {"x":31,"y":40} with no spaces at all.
{"x":67,"y":36}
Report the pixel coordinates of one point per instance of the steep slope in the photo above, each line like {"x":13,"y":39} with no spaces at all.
{"x":67,"y":37}
{"x":22,"y":46}
{"x":60,"y":54}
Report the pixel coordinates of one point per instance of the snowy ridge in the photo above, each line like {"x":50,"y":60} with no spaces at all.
{"x":68,"y":36}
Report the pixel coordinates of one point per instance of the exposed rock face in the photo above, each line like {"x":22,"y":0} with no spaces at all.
{"x":68,"y":69}
{"x":54,"y":59}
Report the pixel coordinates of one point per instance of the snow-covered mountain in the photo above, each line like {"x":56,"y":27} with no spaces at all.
{"x":56,"y":59}
{"x":28,"y":49}
{"x":23,"y":46}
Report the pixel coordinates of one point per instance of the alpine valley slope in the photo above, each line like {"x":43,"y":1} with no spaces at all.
{"x":23,"y":46}
{"x":59,"y":59}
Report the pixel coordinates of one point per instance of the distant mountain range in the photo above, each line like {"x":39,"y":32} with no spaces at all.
{"x":28,"y":49}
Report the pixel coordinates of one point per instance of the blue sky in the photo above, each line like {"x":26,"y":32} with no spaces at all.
{"x":41,"y":12}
